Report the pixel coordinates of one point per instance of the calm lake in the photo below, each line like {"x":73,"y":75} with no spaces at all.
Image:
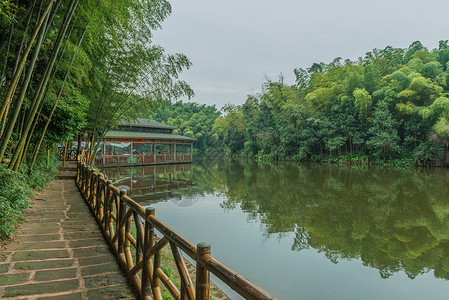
{"x":309,"y":231}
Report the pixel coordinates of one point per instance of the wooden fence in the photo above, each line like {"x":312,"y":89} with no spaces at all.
{"x":139,"y":254}
{"x":70,"y":154}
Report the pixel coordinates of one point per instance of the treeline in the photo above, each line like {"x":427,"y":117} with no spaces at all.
{"x":391,"y":104}
{"x":191,"y":120}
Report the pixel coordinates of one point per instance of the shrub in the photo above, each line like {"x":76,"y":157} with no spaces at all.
{"x":16,"y":189}
{"x":14,"y":195}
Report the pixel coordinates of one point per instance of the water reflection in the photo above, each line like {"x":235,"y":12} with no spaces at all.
{"x":391,"y":220}
{"x":152,"y":184}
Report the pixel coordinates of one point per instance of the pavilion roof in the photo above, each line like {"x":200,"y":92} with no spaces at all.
{"x":146,"y":135}
{"x":147,"y":123}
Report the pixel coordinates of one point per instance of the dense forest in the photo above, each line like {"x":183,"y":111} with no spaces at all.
{"x":390,"y":105}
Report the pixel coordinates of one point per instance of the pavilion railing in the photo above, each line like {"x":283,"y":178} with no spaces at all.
{"x":124,"y":159}
{"x":130,"y":229}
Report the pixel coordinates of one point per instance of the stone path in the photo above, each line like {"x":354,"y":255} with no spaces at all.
{"x":59,"y":252}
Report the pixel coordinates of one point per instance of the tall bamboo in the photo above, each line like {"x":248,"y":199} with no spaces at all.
{"x":38,"y":145}
{"x":38,"y":115}
{"x":8,"y":45}
{"x":25,"y":32}
{"x":13,"y":84}
{"x":18,"y":103}
{"x":38,"y":97}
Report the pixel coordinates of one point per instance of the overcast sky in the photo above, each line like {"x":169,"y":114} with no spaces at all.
{"x":234,"y":44}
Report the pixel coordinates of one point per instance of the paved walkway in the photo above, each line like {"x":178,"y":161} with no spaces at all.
{"x":59,"y":252}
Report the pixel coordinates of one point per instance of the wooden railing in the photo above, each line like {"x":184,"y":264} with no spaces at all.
{"x":70,"y":155}
{"x":139,"y":254}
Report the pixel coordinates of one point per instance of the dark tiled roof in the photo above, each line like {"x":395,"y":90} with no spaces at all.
{"x":147,"y":135}
{"x":147,"y":123}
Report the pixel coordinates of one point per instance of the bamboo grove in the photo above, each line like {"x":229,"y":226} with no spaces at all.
{"x":391,"y":105}
{"x":72,"y":67}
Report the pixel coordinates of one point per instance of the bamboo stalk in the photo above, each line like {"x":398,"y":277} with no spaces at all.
{"x":6,"y":135}
{"x":43,"y":83}
{"x":15,"y":80}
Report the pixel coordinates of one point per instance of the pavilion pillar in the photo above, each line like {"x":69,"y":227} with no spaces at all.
{"x":131,"y":156}
{"x":191,"y":151}
{"x":104,"y":152}
{"x":154,"y":152}
{"x":174,"y":152}
{"x":131,"y":176}
{"x":154,"y":177}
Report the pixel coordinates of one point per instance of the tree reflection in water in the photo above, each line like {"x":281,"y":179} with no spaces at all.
{"x":391,"y":220}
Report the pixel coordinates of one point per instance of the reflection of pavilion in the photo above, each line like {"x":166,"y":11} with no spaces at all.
{"x":151,"y":183}
{"x":145,"y":142}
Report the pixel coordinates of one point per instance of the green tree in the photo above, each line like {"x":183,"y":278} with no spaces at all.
{"x":383,"y":132}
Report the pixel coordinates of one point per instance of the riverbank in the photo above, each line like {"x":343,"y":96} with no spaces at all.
{"x":347,"y":160}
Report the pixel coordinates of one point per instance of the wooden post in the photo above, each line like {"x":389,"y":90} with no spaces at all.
{"x":78,"y":152}
{"x":148,"y":242}
{"x":191,"y":151}
{"x":65,"y":153}
{"x":121,"y":231}
{"x":202,"y":274}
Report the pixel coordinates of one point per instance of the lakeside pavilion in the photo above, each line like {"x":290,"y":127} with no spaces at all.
{"x":144,"y":142}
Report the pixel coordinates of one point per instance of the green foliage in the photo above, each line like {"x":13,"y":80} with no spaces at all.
{"x":381,"y":107}
{"x":16,"y":188}
{"x":8,"y":12}
{"x":362,"y":101}
{"x":191,"y":119}
{"x":43,"y":172}
{"x":107,"y":68}
{"x":14,"y":195}
{"x":383,"y":131}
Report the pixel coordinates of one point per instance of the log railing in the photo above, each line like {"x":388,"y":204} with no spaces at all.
{"x":130,"y":229}
{"x":70,"y":154}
